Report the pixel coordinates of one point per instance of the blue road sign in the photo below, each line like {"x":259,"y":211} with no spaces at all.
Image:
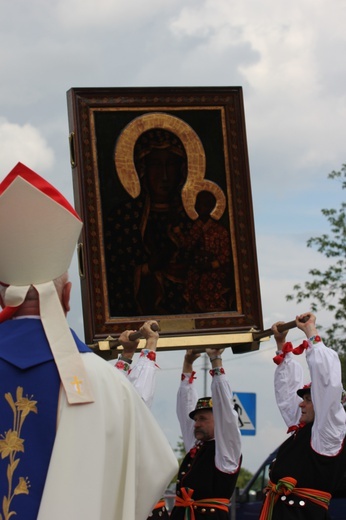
{"x":245,"y":406}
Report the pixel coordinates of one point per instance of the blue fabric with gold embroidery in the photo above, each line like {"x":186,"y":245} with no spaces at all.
{"x":29,"y":389}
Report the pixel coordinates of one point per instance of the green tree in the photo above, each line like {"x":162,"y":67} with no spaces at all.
{"x":243,"y":478}
{"x":327,"y":289}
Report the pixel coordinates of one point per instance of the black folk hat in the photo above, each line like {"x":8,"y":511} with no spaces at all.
{"x":204,"y":403}
{"x":305,"y":390}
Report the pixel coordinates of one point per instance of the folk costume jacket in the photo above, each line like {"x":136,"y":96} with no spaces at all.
{"x":209,"y":470}
{"x":314,"y":455}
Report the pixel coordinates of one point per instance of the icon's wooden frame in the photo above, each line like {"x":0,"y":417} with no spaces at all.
{"x":200,"y":108}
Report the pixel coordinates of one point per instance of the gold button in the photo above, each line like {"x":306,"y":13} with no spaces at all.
{"x":204,"y":510}
{"x":212,"y":510}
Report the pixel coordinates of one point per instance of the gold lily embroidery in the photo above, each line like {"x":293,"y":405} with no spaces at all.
{"x":11,"y":444}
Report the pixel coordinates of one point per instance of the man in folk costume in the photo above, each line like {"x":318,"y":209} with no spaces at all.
{"x":142,"y":376}
{"x":310,"y":463}
{"x":208,"y":474}
{"x":76,"y":440}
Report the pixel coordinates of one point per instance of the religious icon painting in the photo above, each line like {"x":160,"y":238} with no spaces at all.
{"x":162,"y":183}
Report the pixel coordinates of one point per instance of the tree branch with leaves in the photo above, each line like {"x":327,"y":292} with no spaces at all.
{"x":327,"y":288}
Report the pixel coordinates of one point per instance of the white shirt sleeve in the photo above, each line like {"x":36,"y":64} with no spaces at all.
{"x":329,"y":428}
{"x":142,"y":376}
{"x":186,"y":402}
{"x":288,"y":378}
{"x":226,"y":429}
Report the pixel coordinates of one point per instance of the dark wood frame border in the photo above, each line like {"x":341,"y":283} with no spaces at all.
{"x":83,"y":104}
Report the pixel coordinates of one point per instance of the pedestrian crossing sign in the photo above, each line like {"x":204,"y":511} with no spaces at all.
{"x":245,"y":406}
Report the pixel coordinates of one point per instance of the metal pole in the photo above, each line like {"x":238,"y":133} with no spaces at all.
{"x":233,"y":505}
{"x":205,"y":368}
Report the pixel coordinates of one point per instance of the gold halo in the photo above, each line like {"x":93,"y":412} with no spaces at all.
{"x":124,"y":155}
{"x":205,"y":185}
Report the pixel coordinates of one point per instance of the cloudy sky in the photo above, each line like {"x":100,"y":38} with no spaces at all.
{"x":289,"y":60}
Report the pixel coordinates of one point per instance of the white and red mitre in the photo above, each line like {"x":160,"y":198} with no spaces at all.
{"x":39,"y":230}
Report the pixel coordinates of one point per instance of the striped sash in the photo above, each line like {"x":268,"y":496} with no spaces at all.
{"x":286,"y":486}
{"x":190,"y":504}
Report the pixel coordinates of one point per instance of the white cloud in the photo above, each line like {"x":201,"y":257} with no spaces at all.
{"x":290,"y":100}
{"x":25,"y":144}
{"x":105,"y":13}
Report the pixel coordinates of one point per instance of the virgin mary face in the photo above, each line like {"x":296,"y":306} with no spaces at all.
{"x":164,"y":173}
